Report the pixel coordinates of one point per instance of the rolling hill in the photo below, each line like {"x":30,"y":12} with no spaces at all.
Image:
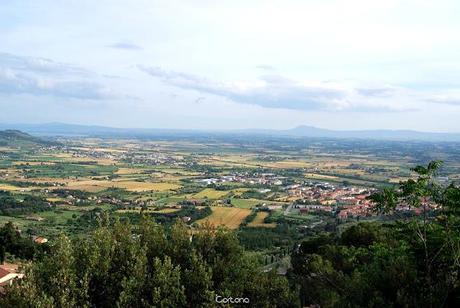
{"x":18,"y":138}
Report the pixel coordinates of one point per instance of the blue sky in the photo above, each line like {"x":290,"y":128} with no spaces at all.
{"x":236,"y":64}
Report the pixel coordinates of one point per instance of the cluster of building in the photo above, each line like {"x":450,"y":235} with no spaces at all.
{"x":151,"y":159}
{"x":247,"y":178}
{"x":425,"y":205}
{"x":319,"y":197}
{"x":91,"y":153}
{"x":344,"y":201}
{"x":135,"y":157}
{"x":329,"y":194}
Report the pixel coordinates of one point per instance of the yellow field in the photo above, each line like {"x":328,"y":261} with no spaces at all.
{"x":231,"y":217}
{"x":105,"y":150}
{"x":44,"y":180}
{"x":123,"y":171}
{"x":259,"y":221}
{"x":320,"y":176}
{"x":229,"y":161}
{"x":167,"y":210}
{"x":65,"y":157}
{"x":56,"y":199}
{"x":145,"y":186}
{"x":88,"y":186}
{"x":179,"y":171}
{"x":398,"y":179}
{"x":168,"y":177}
{"x":239,"y":191}
{"x":210,"y":194}
{"x":94,"y":186}
{"x":10,"y":187}
{"x":352,"y":172}
{"x":289,"y":164}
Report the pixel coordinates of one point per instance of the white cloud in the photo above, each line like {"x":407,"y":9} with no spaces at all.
{"x":354,"y":64}
{"x":275,"y":91}
{"x":39,"y":65}
{"x":40,"y":76}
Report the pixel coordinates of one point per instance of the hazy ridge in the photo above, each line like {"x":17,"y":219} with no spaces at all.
{"x":62,"y":129}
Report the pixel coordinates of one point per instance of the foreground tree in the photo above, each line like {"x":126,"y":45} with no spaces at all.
{"x":147,"y":266}
{"x":413,"y":262}
{"x":12,"y":242}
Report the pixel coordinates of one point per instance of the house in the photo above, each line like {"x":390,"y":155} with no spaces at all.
{"x":196,"y":202}
{"x":313,"y":208}
{"x":8,"y":272}
{"x":186,"y":219}
{"x":304,"y":211}
{"x":39,"y":239}
{"x":343,"y":214}
{"x":274,"y":207}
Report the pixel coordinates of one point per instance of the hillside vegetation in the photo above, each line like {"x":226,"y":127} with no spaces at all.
{"x":412,"y":262}
{"x":157,"y":267}
{"x":18,"y":138}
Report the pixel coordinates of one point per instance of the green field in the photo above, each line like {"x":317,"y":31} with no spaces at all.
{"x":246,"y":203}
{"x":210,"y":194}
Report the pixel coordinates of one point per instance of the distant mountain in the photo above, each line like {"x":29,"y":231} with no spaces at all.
{"x":372,"y":134}
{"x":61,"y":129}
{"x":12,"y":137}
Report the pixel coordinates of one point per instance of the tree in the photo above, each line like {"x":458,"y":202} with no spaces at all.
{"x":12,"y":242}
{"x":434,"y":240}
{"x":406,"y":263}
{"x":148,"y":265}
{"x":167,"y":290}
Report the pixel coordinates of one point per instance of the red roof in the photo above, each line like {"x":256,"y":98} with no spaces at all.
{"x":3,"y":272}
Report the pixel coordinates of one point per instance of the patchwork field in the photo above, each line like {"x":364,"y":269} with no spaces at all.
{"x":320,"y":176}
{"x":210,"y":194}
{"x":258,"y":222}
{"x":123,"y":175}
{"x":245,"y":203}
{"x":229,"y":217}
{"x":9,"y":187}
{"x":95,"y":186}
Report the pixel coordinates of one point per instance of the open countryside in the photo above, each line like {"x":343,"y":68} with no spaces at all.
{"x":211,"y":154}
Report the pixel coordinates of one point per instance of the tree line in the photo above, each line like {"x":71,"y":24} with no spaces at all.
{"x":147,"y":265}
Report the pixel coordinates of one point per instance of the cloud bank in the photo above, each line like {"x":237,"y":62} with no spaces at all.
{"x":276,"y":91}
{"x":44,"y":77}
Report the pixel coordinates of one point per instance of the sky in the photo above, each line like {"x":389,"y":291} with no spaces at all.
{"x":344,"y":65}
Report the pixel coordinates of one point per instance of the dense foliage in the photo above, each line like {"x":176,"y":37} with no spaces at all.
{"x":21,"y":204}
{"x":283,"y":235}
{"x":410,"y":263}
{"x":148,"y":266}
{"x":12,"y":242}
